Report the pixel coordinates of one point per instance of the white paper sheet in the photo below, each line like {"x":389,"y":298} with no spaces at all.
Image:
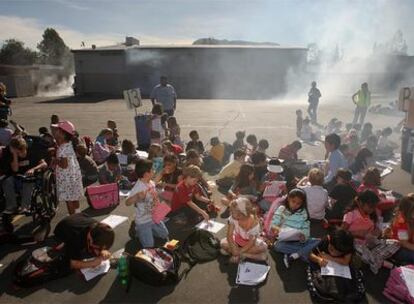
{"x":211,"y":226}
{"x":90,"y":273}
{"x":123,"y":159}
{"x":336,"y":270}
{"x":274,"y":188}
{"x":289,"y":234}
{"x":408,"y":275}
{"x":114,"y":220}
{"x":251,"y":273}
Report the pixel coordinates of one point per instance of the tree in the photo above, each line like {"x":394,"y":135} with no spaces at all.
{"x":13,"y":52}
{"x":53,"y":49}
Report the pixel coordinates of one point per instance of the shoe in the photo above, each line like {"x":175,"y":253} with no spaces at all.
{"x":286,"y":261}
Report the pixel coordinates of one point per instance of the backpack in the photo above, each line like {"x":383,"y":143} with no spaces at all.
{"x":40,"y":266}
{"x":155,"y":266}
{"x":331,"y":289}
{"x":199,"y":247}
{"x":396,"y":288}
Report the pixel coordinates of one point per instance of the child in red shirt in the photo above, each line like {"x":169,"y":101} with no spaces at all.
{"x":187,"y":190}
{"x":402,"y":229}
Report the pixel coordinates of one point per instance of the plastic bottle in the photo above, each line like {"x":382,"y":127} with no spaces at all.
{"x":123,"y":270}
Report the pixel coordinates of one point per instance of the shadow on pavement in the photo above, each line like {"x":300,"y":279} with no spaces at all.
{"x":76,"y":99}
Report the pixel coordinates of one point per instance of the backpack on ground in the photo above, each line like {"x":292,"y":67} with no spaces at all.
{"x":102,"y":196}
{"x":199,"y":247}
{"x":155,"y":266}
{"x":332,"y":289}
{"x":396,"y":288}
{"x":40,"y":266}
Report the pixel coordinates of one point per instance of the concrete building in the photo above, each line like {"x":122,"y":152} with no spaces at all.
{"x":196,"y":71}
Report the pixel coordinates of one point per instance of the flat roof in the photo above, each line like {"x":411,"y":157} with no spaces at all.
{"x":123,"y":47}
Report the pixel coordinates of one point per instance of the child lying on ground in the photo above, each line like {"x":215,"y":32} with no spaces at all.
{"x":243,"y":234}
{"x":292,"y":215}
{"x":144,"y":196}
{"x":337,"y":247}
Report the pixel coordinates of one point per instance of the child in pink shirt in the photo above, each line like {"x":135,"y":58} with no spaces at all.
{"x":363,"y":222}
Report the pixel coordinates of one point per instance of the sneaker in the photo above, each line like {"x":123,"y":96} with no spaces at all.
{"x":286,"y":261}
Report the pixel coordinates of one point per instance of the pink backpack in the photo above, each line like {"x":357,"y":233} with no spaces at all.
{"x":103,"y":196}
{"x":269,"y":216}
{"x":396,"y":288}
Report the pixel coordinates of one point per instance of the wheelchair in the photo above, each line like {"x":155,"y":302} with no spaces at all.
{"x":43,"y":201}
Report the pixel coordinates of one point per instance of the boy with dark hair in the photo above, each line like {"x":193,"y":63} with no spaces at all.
{"x":187,"y":191}
{"x":239,"y":142}
{"x":341,"y":195}
{"x":83,"y":237}
{"x":87,"y":165}
{"x":335,"y":157}
{"x":251,"y":140}
{"x":263,"y":145}
{"x":195,"y":143}
{"x":110,"y":172}
{"x":144,"y":196}
{"x":337,"y":247}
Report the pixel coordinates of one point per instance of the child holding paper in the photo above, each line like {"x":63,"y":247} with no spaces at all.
{"x":243,"y":234}
{"x":291,"y":225}
{"x":273,"y":186}
{"x":144,"y":196}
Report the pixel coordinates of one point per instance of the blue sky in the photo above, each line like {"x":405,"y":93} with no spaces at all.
{"x":354,"y":25}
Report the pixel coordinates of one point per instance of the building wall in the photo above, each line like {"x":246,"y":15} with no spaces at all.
{"x":194,"y":72}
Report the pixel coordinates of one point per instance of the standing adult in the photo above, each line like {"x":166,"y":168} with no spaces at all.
{"x":4,"y":102}
{"x":165,"y":94}
{"x":313,"y":99}
{"x":362,"y":100}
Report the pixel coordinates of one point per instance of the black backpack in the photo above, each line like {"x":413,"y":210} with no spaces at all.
{"x":31,"y":271}
{"x":331,"y":289}
{"x":155,"y":266}
{"x":199,"y":247}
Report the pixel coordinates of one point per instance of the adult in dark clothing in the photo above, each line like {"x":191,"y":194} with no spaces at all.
{"x":313,"y":99}
{"x":4,"y":102}
{"x":17,"y":160}
{"x":81,"y":238}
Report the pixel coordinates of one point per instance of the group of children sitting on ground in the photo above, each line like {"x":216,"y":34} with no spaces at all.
{"x":265,"y":200}
{"x":353,"y":136}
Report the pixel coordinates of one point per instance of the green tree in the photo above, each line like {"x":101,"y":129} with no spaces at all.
{"x":13,"y":52}
{"x":53,"y":49}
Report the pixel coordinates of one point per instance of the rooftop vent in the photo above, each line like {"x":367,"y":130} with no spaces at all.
{"x":130,"y":41}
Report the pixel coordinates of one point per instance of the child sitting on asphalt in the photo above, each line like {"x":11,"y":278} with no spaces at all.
{"x":244,"y":185}
{"x":87,"y":165}
{"x":214,"y":160}
{"x":239,"y":142}
{"x":187,"y":189}
{"x":270,"y":187}
{"x":316,"y":195}
{"x":144,"y":196}
{"x":195,"y":143}
{"x":229,"y":172}
{"x":243,"y":234}
{"x":169,"y":177}
{"x":110,"y":172}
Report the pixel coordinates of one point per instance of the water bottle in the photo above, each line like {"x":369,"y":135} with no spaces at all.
{"x":123,"y":270}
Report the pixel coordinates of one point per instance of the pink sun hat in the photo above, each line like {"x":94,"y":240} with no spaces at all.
{"x":66,"y":126}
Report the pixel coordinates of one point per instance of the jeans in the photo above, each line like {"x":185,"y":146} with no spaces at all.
{"x":9,"y":189}
{"x":312,"y":111}
{"x":301,"y":248}
{"x":404,"y":256}
{"x":360,"y":112}
{"x":147,"y":231}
